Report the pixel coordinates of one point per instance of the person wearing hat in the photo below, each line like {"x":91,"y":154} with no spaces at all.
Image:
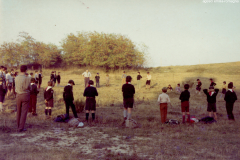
{"x":97,"y":78}
{"x":163,"y":100}
{"x":33,"y":97}
{"x":230,"y":98}
{"x":2,"y":94}
{"x":128,"y":98}
{"x":211,"y":99}
{"x":90,"y":92}
{"x":69,"y":99}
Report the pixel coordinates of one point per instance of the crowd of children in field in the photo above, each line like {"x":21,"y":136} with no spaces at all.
{"x":7,"y":86}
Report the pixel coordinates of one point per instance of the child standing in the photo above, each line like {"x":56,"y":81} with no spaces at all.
{"x":148,"y":82}
{"x":139,"y":80}
{"x":212,"y":83}
{"x":128,"y":98}
{"x":184,"y":97}
{"x":40,"y":76}
{"x":90,"y":93}
{"x":2,"y":94}
{"x":230,"y":98}
{"x":9,"y":83}
{"x":198,"y":86}
{"x":59,"y":79}
{"x":178,"y":89}
{"x":33,"y":97}
{"x":97,"y":78}
{"x":224,"y":89}
{"x":211,"y":99}
{"x":107,"y":80}
{"x":124,"y":77}
{"x":48,"y":96}
{"x":163,"y":100}
{"x":36,"y":77}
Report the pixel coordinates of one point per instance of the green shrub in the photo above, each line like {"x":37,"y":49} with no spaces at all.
{"x":79,"y":104}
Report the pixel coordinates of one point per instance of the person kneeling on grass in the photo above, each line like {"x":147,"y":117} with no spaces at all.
{"x":90,"y":92}
{"x":69,"y":99}
{"x":48,"y":96}
{"x":163,"y":100}
{"x":184,"y":97}
{"x":128,"y":98}
{"x":211,"y":99}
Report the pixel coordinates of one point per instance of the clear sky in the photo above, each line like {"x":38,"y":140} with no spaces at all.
{"x":177,"y":32}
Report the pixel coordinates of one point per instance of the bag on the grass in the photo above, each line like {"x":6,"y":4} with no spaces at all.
{"x":208,"y":120}
{"x":61,"y":118}
{"x":131,"y":123}
{"x":73,"y":122}
{"x":173,"y":121}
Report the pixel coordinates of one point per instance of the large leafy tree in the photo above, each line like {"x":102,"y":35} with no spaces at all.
{"x":102,"y":50}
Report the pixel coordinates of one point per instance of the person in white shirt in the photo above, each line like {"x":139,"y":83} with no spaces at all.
{"x":9,"y":83}
{"x":163,"y":100}
{"x":86,"y":76}
{"x":149,"y":77}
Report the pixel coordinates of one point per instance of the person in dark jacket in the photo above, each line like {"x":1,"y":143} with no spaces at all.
{"x":58,"y":79}
{"x":2,"y":94}
{"x":211,"y":99}
{"x":97,"y":78}
{"x":90,"y":92}
{"x":212,"y":83}
{"x":230,"y":98}
{"x":198,"y":86}
{"x":139,"y":80}
{"x":184,"y":97}
{"x":48,"y":96}
{"x":33,"y":97}
{"x":40,"y":76}
{"x":69,"y":99}
{"x":128,"y":98}
{"x":52,"y":78}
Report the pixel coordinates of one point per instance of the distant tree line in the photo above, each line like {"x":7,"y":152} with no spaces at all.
{"x":110,"y":51}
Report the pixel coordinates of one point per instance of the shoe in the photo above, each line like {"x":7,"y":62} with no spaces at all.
{"x":22,"y":130}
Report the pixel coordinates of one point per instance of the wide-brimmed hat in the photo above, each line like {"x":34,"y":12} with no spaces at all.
{"x":71,"y":81}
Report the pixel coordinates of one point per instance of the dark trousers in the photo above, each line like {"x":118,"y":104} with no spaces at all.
{"x":70,"y":103}
{"x":22,"y":109}
{"x":39,"y":84}
{"x":229,"y":107}
{"x":97,"y":83}
{"x":86,"y":79}
{"x":163,"y":112}
{"x":32,"y":104}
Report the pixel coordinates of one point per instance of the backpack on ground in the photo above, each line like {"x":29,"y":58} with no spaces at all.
{"x":173,"y":121}
{"x":208,"y":120}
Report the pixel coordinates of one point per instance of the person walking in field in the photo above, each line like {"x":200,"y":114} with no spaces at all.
{"x":97,"y":78}
{"x":48,"y":97}
{"x":230,"y":98}
{"x":212,"y":83}
{"x":224,"y":89}
{"x":148,"y":82}
{"x":9,"y":83}
{"x":107,"y":80}
{"x":22,"y":84}
{"x":33,"y":97}
{"x":2,"y":94}
{"x":163,"y":100}
{"x":184,"y":97}
{"x":69,"y":99}
{"x":40,"y":76}
{"x":124,"y":77}
{"x":90,"y":93}
{"x":139,"y":80}
{"x":211,"y":99}
{"x":198,"y":86}
{"x":128,"y":98}
{"x":87,"y":76}
{"x":59,"y":79}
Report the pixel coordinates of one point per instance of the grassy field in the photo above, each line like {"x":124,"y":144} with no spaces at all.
{"x":107,"y":139}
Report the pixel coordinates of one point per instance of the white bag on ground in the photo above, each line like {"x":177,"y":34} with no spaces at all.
{"x":73,"y":122}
